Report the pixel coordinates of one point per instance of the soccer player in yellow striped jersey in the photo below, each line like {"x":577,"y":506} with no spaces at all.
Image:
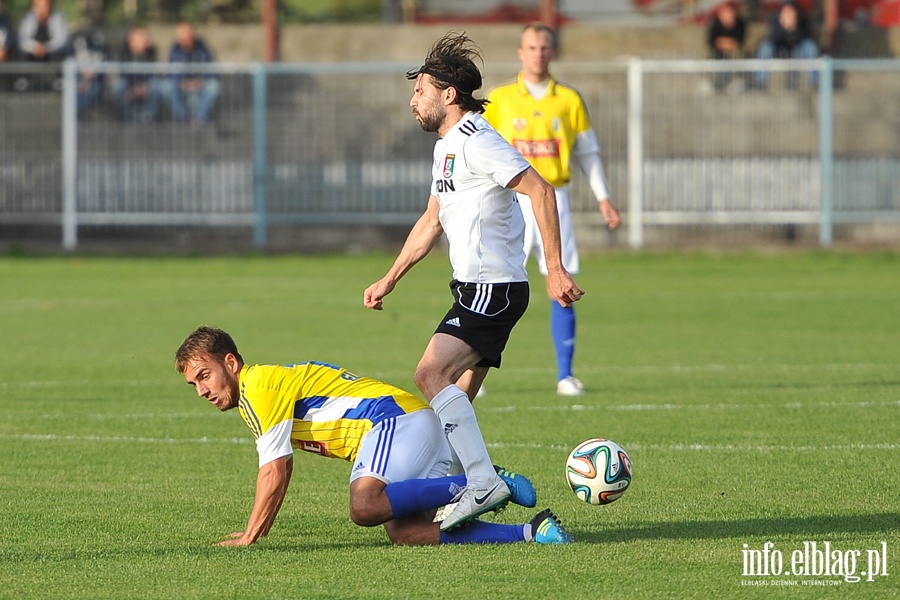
{"x":394,"y":441}
{"x":548,"y":123}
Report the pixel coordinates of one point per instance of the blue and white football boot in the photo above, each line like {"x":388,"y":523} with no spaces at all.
{"x":547,"y":529}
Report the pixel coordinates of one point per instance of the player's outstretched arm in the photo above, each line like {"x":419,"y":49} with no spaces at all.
{"x":271,"y":486}
{"x":560,"y":284}
{"x":587,"y":153}
{"x":419,"y":242}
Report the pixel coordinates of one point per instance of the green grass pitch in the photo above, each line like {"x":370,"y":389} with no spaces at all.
{"x":758,"y":397}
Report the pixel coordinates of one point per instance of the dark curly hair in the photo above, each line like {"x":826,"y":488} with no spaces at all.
{"x":451,"y":63}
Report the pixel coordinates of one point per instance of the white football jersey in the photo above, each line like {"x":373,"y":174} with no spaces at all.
{"x":482,"y":219}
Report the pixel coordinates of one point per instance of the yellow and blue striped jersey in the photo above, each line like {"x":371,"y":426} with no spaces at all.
{"x":543,"y":131}
{"x":329,"y":409}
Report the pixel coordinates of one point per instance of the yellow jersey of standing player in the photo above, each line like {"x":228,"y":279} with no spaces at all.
{"x":543,"y":131}
{"x":316,"y":407}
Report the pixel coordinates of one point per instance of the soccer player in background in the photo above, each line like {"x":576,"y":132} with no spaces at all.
{"x":548,"y":123}
{"x":392,"y":438}
{"x":475,"y":176}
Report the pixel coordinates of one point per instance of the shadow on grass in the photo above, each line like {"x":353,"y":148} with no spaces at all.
{"x":811,"y":527}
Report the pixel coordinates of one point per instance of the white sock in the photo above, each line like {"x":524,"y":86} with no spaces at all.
{"x":457,"y":416}
{"x":456,"y":467}
{"x":529,"y":534}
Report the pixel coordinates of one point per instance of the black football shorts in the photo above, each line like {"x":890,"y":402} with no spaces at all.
{"x":484,"y":314}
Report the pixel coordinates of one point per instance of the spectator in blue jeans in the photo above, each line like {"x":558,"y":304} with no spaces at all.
{"x":191,"y":96}
{"x":138,"y":94}
{"x":789,"y":36}
{"x":89,"y":48}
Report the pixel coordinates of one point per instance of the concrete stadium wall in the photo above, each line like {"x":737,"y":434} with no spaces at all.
{"x":368,"y":43}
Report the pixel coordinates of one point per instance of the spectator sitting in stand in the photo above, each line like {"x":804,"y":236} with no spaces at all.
{"x":89,"y":47}
{"x":7,"y":45}
{"x":138,"y":94}
{"x":43,"y":37}
{"x":789,"y":37}
{"x":191,"y":96}
{"x":725,"y":38}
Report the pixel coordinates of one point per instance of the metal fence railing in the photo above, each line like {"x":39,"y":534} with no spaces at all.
{"x":684,"y":143}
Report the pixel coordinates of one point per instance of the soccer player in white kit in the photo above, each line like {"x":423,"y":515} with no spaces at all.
{"x":476,"y":174}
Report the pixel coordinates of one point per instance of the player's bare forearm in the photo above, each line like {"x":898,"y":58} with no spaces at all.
{"x":271,"y":486}
{"x":418,"y":244}
{"x":543,"y":201}
{"x":560,"y":284}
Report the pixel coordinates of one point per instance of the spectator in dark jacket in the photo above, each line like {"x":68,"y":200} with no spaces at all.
{"x":191,"y":96}
{"x":725,"y":38}
{"x":789,"y":36}
{"x":137,"y":93}
{"x":7,"y":45}
{"x":7,"y":36}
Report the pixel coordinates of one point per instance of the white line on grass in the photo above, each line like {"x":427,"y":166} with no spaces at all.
{"x":391,"y":374}
{"x":674,"y":407}
{"x":53,"y":437}
{"x":116,"y":439}
{"x":714,"y":447}
{"x":512,"y":409}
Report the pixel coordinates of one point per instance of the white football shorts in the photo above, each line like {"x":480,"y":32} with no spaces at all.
{"x":533,"y":241}
{"x":410,"y":446}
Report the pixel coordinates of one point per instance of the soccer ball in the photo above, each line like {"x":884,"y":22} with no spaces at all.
{"x":598,"y":471}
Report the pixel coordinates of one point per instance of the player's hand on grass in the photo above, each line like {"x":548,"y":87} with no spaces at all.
{"x":234,"y":539}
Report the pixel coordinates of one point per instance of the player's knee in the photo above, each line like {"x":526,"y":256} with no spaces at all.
{"x":423,"y":378}
{"x":365,"y":518}
{"x":365,"y":515}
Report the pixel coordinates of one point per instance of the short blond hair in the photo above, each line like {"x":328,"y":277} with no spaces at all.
{"x":538,"y":27}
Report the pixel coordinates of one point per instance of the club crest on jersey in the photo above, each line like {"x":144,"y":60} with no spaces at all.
{"x":449,"y":161}
{"x":519,"y":124}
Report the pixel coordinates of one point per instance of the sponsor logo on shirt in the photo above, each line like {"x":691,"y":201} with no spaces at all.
{"x":445,"y":185}
{"x":314,"y":447}
{"x":537,"y":148}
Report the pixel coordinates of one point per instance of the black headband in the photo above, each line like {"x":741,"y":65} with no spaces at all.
{"x":414,"y":73}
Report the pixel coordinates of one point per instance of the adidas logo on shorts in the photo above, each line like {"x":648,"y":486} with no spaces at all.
{"x":454,"y":321}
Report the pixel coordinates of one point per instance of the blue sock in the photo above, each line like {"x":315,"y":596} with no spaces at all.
{"x":415,"y":496}
{"x":562,"y":330}
{"x":480,"y":532}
